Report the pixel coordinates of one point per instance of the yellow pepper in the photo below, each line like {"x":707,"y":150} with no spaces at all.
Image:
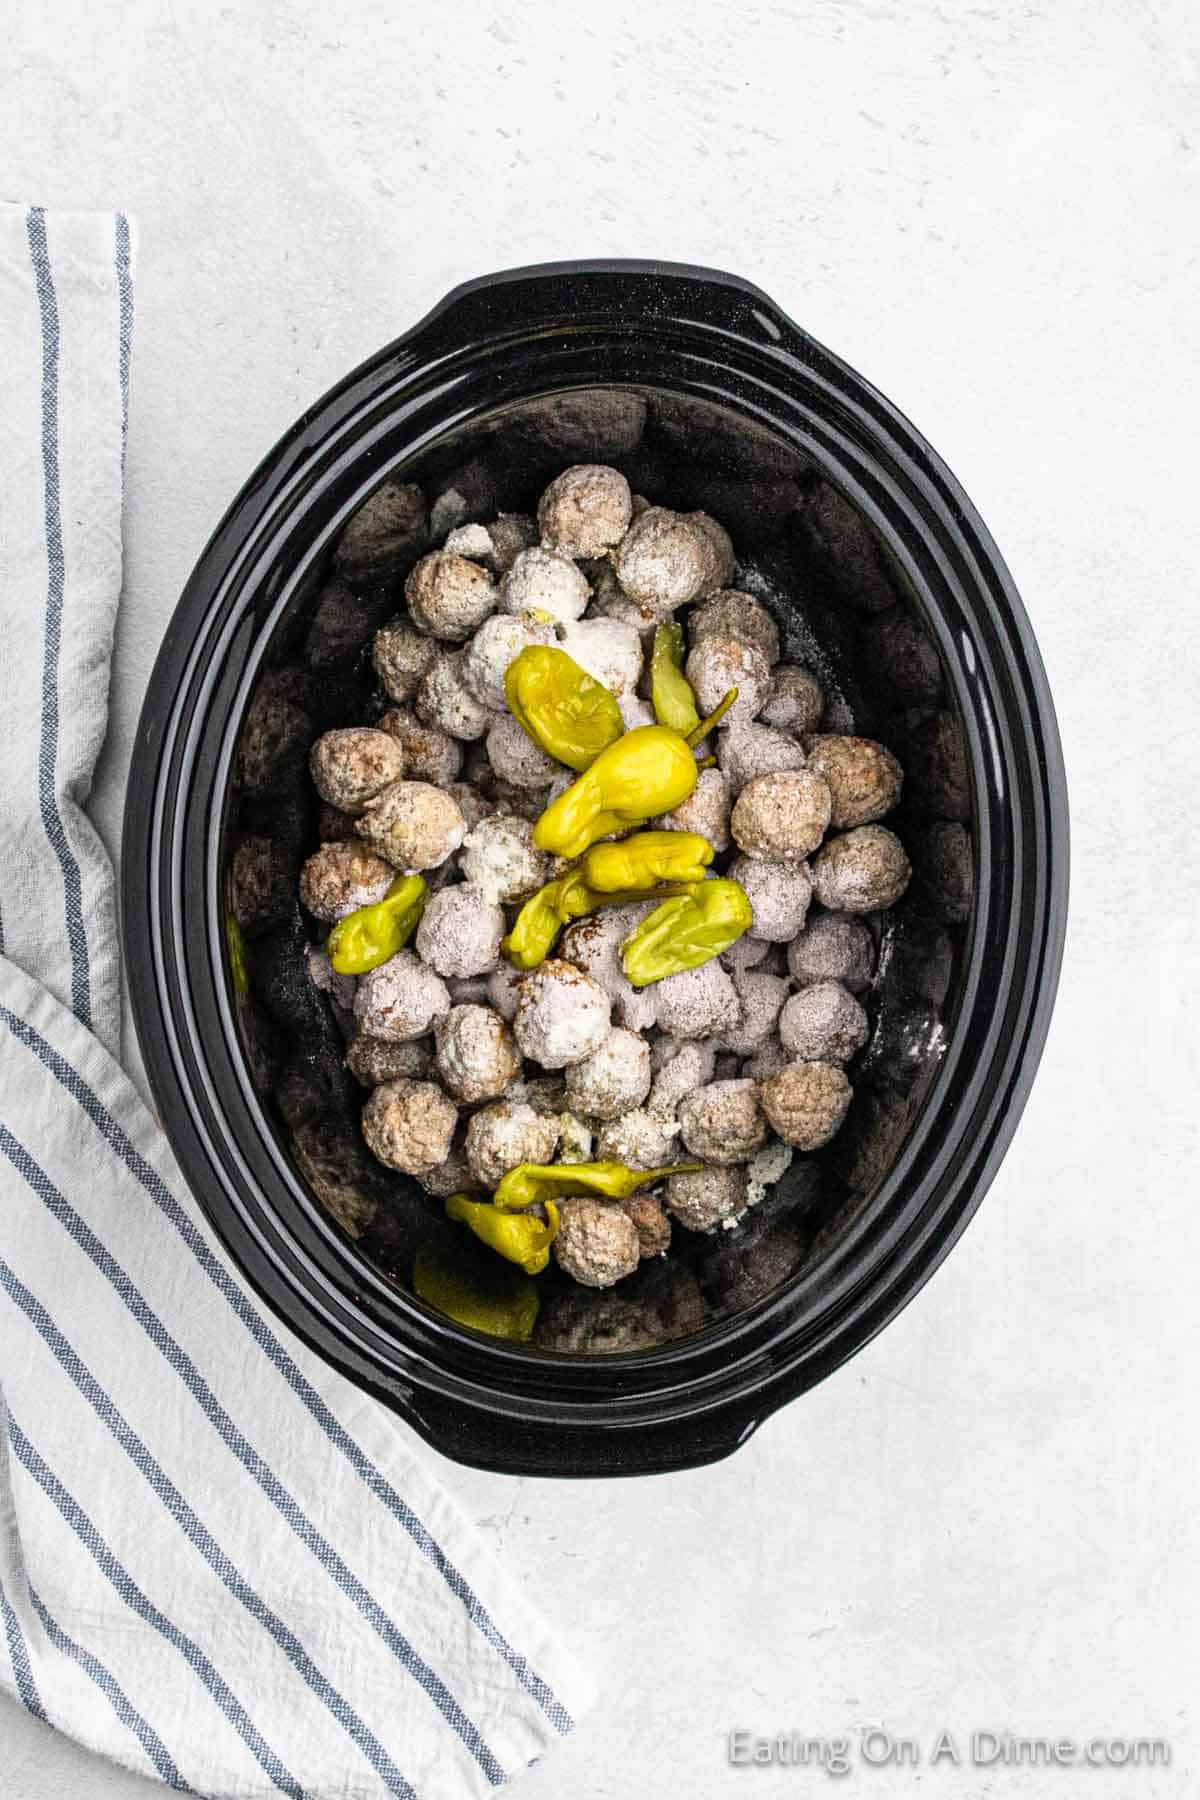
{"x":531,"y":1184}
{"x":237,"y":956}
{"x":647,"y":771}
{"x":500,"y":1300}
{"x":519,"y":1237}
{"x":367,"y":937}
{"x":701,"y":731}
{"x":670,"y":691}
{"x":647,"y":857}
{"x":558,"y":704}
{"x":686,"y":932}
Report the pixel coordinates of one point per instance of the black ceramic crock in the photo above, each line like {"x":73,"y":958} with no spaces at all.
{"x":511,"y":376}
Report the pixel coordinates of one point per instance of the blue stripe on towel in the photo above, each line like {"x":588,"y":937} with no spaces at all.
{"x":113,"y":1692}
{"x":134,"y":1598}
{"x":260,"y":1330}
{"x":125,"y":320}
{"x":18,"y":1651}
{"x":81,"y":998}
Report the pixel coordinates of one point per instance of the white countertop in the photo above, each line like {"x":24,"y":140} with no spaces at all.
{"x":985,"y":1521}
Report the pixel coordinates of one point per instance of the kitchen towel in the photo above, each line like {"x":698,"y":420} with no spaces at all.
{"x":219,"y":1562}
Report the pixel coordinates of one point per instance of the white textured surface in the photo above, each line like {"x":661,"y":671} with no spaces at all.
{"x":988,"y":1518}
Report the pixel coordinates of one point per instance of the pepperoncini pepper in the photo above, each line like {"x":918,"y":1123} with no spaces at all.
{"x":531,"y":1184}
{"x":647,"y":857}
{"x":544,"y":914}
{"x":500,"y":1300}
{"x":559,"y":705}
{"x":670,"y":691}
{"x":519,"y":1237}
{"x":236,"y":944}
{"x":701,"y":731}
{"x":369,"y":936}
{"x":685,"y":932}
{"x":647,"y":771}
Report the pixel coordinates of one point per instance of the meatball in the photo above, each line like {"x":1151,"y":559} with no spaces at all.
{"x":634,"y":712}
{"x":450,"y":1177}
{"x":767,"y":1060}
{"x":701,"y":1198}
{"x":473,"y":805}
{"x":340,"y":877}
{"x":449,"y":596}
{"x":374,"y":1060}
{"x":499,"y":857}
{"x":597,"y":1243}
{"x":680,"y":1068}
{"x":445,"y":700}
{"x":562,"y":1015}
{"x":510,"y":534}
{"x":862,"y":777}
{"x":843,"y":535}
{"x":823,"y":1023}
{"x":515,"y":757}
{"x":762,"y":998}
{"x":613,"y":1079}
{"x":696,"y":1002}
{"x":833,"y":947}
{"x":260,"y":884}
{"x":945,"y":864}
{"x":409,"y":1125}
{"x":715,"y":665}
{"x":503,"y":989}
{"x":386,"y":528}
{"x":430,"y":754}
{"x":664,"y":560}
{"x":497,"y":643}
{"x":608,"y":650}
{"x":705,"y":811}
{"x":779,"y":895}
{"x":274,"y":738}
{"x":737,"y":616}
{"x":402,"y":656}
{"x":864,"y":870}
{"x":505,"y":1134}
{"x":650,"y":1222}
{"x":939,"y":777}
{"x":413,"y":825}
{"x":470,"y":540}
{"x":594,"y":945}
{"x":806,"y":1102}
{"x":747,"y":751}
{"x":781,"y":818}
{"x":547,"y":586}
{"x":723,"y":1122}
{"x":585,"y":510}
{"x":477,"y":1056}
{"x":795,"y":702}
{"x":719,"y":544}
{"x":460,"y":931}
{"x":400,"y":999}
{"x":639,"y":1139}
{"x":903,"y":657}
{"x":350,"y":767}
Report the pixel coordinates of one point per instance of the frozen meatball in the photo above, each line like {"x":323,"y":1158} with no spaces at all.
{"x":409,"y":1125}
{"x":325,"y":978}
{"x":400,"y":999}
{"x":904,"y":657}
{"x":737,"y":616}
{"x":762,"y":998}
{"x":864,"y":870}
{"x":414,"y":825}
{"x":806,"y":1102}
{"x":767,"y":1060}
{"x":510,"y":534}
{"x":470,"y":540}
{"x":594,"y":945}
{"x":937,"y":763}
{"x":274,"y":738}
{"x":842,"y":534}
{"x":597,"y":1243}
{"x":340,"y":877}
{"x":499,"y":857}
{"x":946,"y":865}
{"x":450,"y":1177}
{"x":749,"y":951}
{"x":634,"y":712}
{"x":460,"y":931}
{"x":402,"y":656}
{"x":747,"y":751}
{"x":260,"y":884}
{"x":723,"y":1122}
{"x":609,"y":651}
{"x":779,"y":894}
{"x":862,"y":777}
{"x":449,"y":596}
{"x":515,"y":757}
{"x":445,"y":700}
{"x":477,"y":1056}
{"x":823,"y":1023}
{"x":585,"y":510}
{"x":639,"y":1139}
{"x":796,"y":701}
{"x":467,"y":990}
{"x":430,"y":754}
{"x":781,"y":818}
{"x":833,"y":947}
{"x":473,"y":805}
{"x":385,"y":529}
{"x":703,"y":1197}
{"x":664,"y":560}
{"x":613,"y":1079}
{"x":503,"y":989}
{"x":680,"y":1068}
{"x":717,"y":664}
{"x":374,"y":1060}
{"x":705,"y":811}
{"x":505,"y":1134}
{"x":350,"y":767}
{"x":650,"y":1222}
{"x":696,"y":1002}
{"x":497,"y":643}
{"x":546,"y":586}
{"x":721,"y":560}
{"x":562,"y":1015}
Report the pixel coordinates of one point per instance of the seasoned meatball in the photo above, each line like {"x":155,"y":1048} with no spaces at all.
{"x":747,"y":751}
{"x":680,"y":1067}
{"x":402,"y":656}
{"x":430,"y":754}
{"x":597,"y":1243}
{"x":505,"y":1134}
{"x":781,"y":818}
{"x":450,"y":1177}
{"x":696,"y":1002}
{"x":613,"y":1079}
{"x":833,"y":947}
{"x":719,"y":545}
{"x":862,"y":777}
{"x":795,"y":702}
{"x":664,"y":560}
{"x":640,"y":1139}
{"x":703,"y":1197}
{"x":767,"y":1060}
{"x":609,"y":651}
{"x":409,"y":1125}
{"x":939,"y":777}
{"x":449,"y":596}
{"x":413,"y":825}
{"x":548,"y":587}
{"x":503,"y":989}
{"x":594,"y":945}
{"x":374,"y":1060}
{"x":497,"y":643}
{"x":635,"y":712}
{"x":843,"y":535}
{"x":445,"y":700}
{"x":499,"y":857}
{"x":705,"y":811}
{"x":585,"y":510}
{"x":650,"y":1222}
{"x":400,"y":999}
{"x":260,"y":884}
{"x":779,"y":894}
{"x":723,"y":1122}
{"x":515,"y":757}
{"x":386,"y":529}
{"x":806,"y":1102}
{"x":473,"y":805}
{"x":738,"y":616}
{"x":762,"y":998}
{"x":864,"y":870}
{"x":477,"y":1056}
{"x":340,"y":877}
{"x":823,"y":1023}
{"x":562,"y":1015}
{"x":460,"y":931}
{"x":904,"y":658}
{"x":510,"y":534}
{"x":715,"y":665}
{"x":351,"y":767}
{"x":945,"y":863}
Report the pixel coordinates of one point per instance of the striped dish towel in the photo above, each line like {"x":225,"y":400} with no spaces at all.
{"x":219,"y":1562}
